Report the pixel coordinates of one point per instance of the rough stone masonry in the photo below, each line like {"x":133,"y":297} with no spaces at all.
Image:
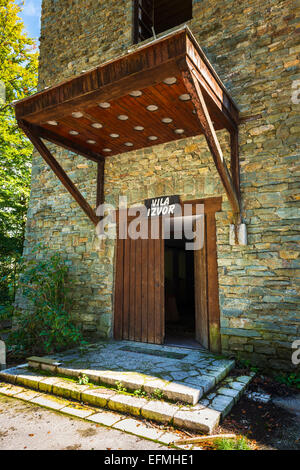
{"x":254,"y":47}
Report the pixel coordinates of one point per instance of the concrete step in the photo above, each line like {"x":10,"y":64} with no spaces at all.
{"x":201,"y":417}
{"x":189,"y":392}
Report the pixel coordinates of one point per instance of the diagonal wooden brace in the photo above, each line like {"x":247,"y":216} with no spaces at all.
{"x":59,"y":171}
{"x":193,"y":87}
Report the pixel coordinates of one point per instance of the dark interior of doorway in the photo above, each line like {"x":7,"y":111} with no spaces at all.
{"x":179,"y":294}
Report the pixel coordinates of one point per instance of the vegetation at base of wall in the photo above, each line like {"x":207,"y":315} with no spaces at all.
{"x":246,"y":364}
{"x":291,"y":380}
{"x":231,"y":444}
{"x":18,"y":79}
{"x":45,"y":326}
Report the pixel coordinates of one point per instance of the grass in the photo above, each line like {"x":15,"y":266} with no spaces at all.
{"x":240,"y":443}
{"x":291,"y":380}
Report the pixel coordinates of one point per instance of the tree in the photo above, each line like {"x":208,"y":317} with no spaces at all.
{"x":18,"y":79}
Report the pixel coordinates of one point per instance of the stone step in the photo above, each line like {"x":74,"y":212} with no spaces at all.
{"x":190,"y":391}
{"x":227,"y":393}
{"x":105,"y":418}
{"x":202,"y":417}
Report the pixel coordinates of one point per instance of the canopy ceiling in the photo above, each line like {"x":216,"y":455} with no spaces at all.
{"x":136,"y":101}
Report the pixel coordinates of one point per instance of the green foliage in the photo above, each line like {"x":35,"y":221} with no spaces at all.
{"x":232,"y":444}
{"x":6,"y":312}
{"x":158,"y":394}
{"x":140,"y":393}
{"x":45,"y":326}
{"x":291,"y":380}
{"x":18,"y":79}
{"x":120,"y":387}
{"x":83,"y":379}
{"x":246,"y":364}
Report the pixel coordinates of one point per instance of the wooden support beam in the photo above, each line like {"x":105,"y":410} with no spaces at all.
{"x":193,"y":87}
{"x":61,"y":141}
{"x":215,"y":94}
{"x":100,"y":184}
{"x":60,"y":173}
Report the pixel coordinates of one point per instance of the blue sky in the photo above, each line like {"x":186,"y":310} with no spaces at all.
{"x":31,"y":16}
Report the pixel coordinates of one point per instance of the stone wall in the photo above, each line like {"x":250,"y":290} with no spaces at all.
{"x":252,"y":45}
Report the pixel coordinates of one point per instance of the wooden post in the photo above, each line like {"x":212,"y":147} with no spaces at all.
{"x":100,"y":184}
{"x":235,"y":162}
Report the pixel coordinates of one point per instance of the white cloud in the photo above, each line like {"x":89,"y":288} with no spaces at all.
{"x":31,"y":8}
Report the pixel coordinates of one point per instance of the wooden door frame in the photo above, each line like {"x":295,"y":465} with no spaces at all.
{"x":209,"y":272}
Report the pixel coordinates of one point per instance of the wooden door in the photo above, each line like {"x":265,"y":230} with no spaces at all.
{"x":139,"y":289}
{"x":201,"y":290}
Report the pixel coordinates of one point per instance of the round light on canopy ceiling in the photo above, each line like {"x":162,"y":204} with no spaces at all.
{"x":179,"y":131}
{"x":128,"y":144}
{"x":114,"y":136}
{"x":170,"y":81}
{"x":152,"y":107}
{"x":104,"y":105}
{"x":97,"y":125}
{"x":167,"y":120}
{"x":138,"y":128}
{"x":73,"y":132}
{"x":123,"y":117}
{"x":135,"y":93}
{"x":152,"y":137}
{"x":92,"y":142}
{"x":106,"y":150}
{"x":52,"y":123}
{"x":185,"y":97}
{"x":77,"y":114}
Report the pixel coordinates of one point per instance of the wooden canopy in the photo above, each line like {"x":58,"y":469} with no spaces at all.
{"x":163,"y":91}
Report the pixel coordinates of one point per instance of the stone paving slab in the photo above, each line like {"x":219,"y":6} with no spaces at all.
{"x":106,"y":418}
{"x":132,"y":426}
{"x":46,"y":384}
{"x":49,"y":401}
{"x":80,"y":412}
{"x":97,"y":397}
{"x":227,"y":394}
{"x":69,"y":390}
{"x":199,"y":418}
{"x":28,"y":395}
{"x":10,"y":389}
{"x":149,"y":366}
{"x":160,"y":411}
{"x":127,"y":404}
{"x":223,"y":404}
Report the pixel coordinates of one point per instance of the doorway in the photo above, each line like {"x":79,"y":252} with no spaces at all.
{"x":179,"y":293}
{"x":145,"y":277}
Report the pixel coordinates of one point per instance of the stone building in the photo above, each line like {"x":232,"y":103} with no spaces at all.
{"x":253,"y":46}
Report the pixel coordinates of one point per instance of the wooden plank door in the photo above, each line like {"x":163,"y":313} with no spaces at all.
{"x":201,"y":290}
{"x":139,"y":289}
